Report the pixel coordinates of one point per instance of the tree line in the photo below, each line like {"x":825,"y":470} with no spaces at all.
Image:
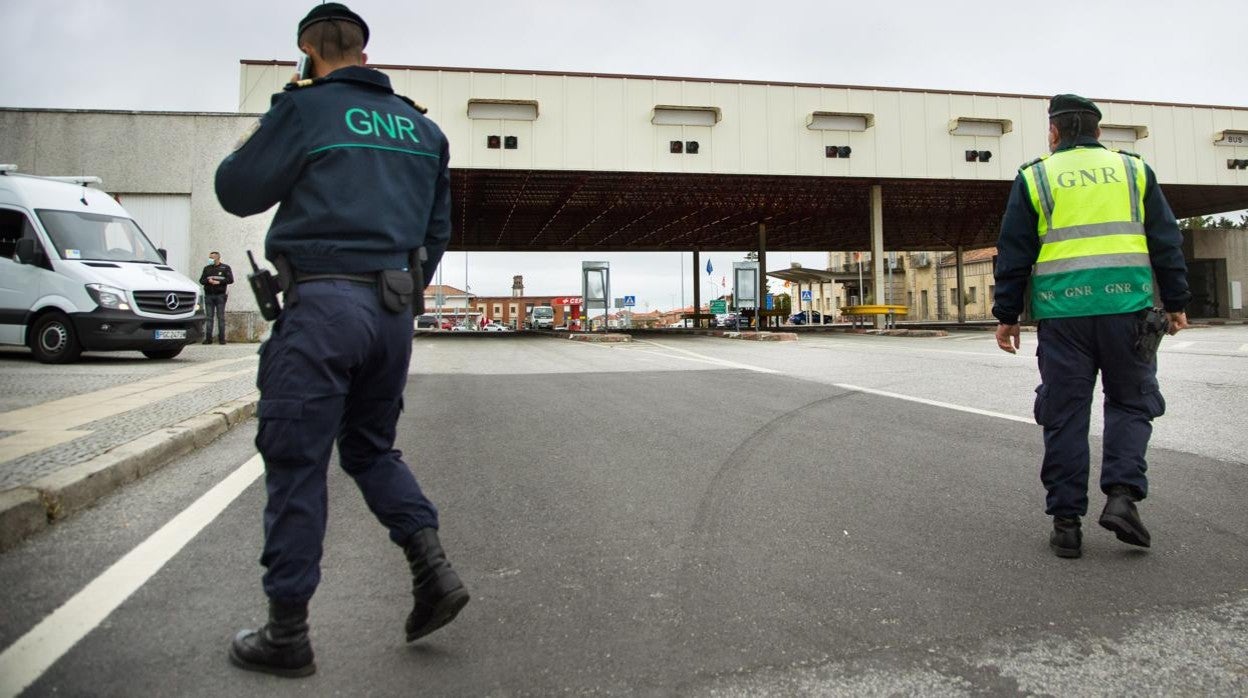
{"x":1208,"y":222}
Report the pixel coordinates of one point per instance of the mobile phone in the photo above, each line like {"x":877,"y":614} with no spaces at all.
{"x":304,"y":68}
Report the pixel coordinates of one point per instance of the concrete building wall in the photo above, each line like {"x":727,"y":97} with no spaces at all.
{"x":607,"y":122}
{"x":1217,"y":262}
{"x":144,"y":154}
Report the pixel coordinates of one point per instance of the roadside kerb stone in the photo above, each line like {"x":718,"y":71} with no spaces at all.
{"x":761,"y":336}
{"x":908,"y":333}
{"x":22,"y":514}
{"x":27,"y":510}
{"x":602,"y":338}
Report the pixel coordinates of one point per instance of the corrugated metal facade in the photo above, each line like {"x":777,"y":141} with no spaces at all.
{"x":603,"y":123}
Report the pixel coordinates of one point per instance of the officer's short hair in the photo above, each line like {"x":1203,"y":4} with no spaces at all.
{"x":1076,"y":124}
{"x":335,"y":40}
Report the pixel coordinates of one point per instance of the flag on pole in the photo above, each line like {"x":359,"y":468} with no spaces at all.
{"x":709,"y":268}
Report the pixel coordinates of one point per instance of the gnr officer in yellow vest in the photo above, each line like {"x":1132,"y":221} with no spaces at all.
{"x":1092,"y":232}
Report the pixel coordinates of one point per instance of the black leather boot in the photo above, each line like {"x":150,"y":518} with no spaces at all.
{"x":1121,"y":517}
{"x":1067,"y":537}
{"x":281,"y":647}
{"x":437,"y":589}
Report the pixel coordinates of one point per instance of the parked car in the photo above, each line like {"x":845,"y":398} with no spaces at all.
{"x":801,"y":318}
{"x":731,"y":320}
{"x":430,"y":322}
{"x":497,"y":327}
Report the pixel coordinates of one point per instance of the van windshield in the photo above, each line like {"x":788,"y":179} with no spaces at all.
{"x":94,"y":236}
{"x":543,"y":311}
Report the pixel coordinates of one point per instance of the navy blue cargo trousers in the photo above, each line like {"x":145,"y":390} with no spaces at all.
{"x":1071,"y":352}
{"x":334,"y":368}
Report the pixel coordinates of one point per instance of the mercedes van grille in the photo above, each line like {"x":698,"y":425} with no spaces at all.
{"x":165,"y":302}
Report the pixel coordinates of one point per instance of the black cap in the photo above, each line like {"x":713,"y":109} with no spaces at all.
{"x":331,"y":11}
{"x":1072,"y":104}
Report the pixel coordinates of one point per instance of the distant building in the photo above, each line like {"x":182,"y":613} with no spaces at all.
{"x":513,"y":310}
{"x":449,"y":302}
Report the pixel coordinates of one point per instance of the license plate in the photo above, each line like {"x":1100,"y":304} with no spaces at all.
{"x":170,"y":334}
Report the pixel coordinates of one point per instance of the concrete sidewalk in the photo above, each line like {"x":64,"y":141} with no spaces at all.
{"x":71,"y":434}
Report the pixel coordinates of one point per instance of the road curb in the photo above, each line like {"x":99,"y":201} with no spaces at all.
{"x":760,"y":336}
{"x":29,"y":509}
{"x":600,"y":338}
{"x":22,"y":514}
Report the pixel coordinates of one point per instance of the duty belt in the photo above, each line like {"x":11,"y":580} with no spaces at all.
{"x":370,"y":279}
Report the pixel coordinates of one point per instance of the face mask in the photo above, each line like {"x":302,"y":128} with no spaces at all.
{"x":211,"y":260}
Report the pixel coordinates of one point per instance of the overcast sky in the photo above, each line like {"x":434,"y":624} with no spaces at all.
{"x":184,"y":56}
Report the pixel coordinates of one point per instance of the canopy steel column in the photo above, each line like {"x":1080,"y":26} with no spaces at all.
{"x":762,"y":276}
{"x":697,"y":286}
{"x":957,"y":257}
{"x":877,"y":249}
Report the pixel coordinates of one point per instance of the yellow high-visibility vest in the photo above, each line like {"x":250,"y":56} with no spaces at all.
{"x":1093,"y":251}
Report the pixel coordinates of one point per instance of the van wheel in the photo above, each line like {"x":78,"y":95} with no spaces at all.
{"x":162,"y":353}
{"x":54,"y":341}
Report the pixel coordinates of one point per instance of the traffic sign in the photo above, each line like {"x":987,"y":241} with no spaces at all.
{"x":719,"y":307}
{"x":771,"y":302}
{"x":805,"y":296}
{"x":630,"y":301}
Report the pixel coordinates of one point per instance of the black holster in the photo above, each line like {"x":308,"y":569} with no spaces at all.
{"x":286,"y":280}
{"x":1149,"y":329}
{"x":416,"y":267}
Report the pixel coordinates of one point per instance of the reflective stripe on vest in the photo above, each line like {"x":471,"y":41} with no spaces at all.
{"x":1093,"y":253}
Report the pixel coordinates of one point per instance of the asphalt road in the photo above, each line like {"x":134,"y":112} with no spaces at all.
{"x":699,"y":516}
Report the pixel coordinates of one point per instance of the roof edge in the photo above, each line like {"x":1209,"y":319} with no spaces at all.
{"x":625,"y":76}
{"x":53,"y":110}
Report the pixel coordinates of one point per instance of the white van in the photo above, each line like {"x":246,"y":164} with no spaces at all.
{"x":77,"y":273}
{"x":541,"y":317}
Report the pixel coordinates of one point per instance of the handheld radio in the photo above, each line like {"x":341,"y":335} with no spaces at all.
{"x":264,"y":286}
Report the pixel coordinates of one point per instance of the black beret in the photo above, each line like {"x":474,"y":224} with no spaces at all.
{"x":331,"y":11}
{"x":1072,"y":104}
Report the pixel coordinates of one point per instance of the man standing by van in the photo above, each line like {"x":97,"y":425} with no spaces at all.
{"x":215,"y":278}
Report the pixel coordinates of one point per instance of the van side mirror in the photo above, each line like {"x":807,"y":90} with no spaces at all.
{"x":27,"y":251}
{"x":164,"y":254}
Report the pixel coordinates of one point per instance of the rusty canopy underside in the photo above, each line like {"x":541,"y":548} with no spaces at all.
{"x":532,"y":210}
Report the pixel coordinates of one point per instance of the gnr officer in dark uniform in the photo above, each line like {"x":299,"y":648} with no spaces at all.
{"x":361,"y":181}
{"x":1091,"y":230}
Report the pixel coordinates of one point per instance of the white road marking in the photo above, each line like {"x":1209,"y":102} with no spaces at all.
{"x":859,"y":389}
{"x":1243,"y":348}
{"x":710,"y":359}
{"x":937,"y":403}
{"x":1179,"y":345}
{"x":23,"y":662}
{"x":993,"y":352}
